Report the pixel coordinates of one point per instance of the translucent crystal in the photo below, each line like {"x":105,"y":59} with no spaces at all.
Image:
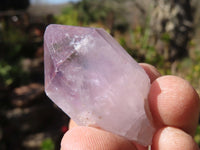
{"x":94,"y":80}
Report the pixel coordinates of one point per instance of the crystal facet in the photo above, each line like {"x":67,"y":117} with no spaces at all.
{"x":94,"y":80}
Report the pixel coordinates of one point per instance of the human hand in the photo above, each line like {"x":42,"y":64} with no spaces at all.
{"x":175,"y":107}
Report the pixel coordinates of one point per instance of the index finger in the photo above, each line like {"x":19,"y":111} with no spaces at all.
{"x":174,"y":102}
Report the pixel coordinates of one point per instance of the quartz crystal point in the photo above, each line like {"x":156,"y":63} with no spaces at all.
{"x":95,"y":81}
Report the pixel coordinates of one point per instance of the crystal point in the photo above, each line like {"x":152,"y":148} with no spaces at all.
{"x":94,"y":80}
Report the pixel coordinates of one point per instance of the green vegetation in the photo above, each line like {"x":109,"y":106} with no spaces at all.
{"x":197,"y":135}
{"x":69,"y":16}
{"x":47,"y":144}
{"x":13,"y":41}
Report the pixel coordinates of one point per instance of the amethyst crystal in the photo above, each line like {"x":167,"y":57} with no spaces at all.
{"x":94,"y":80}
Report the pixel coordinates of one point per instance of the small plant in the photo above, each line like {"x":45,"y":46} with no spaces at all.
{"x":69,"y":16}
{"x":47,"y":144}
{"x":197,"y":135}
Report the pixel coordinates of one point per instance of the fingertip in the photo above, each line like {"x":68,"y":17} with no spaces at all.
{"x":174,"y":139}
{"x":173,"y":102}
{"x":151,"y":71}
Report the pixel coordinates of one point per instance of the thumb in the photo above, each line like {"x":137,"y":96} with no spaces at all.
{"x":88,"y":138}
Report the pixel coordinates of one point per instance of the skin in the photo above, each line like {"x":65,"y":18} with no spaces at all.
{"x":175,"y":107}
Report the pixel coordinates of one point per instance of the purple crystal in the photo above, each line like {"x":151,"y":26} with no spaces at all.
{"x":94,"y":80}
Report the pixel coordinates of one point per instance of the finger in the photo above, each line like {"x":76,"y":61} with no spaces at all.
{"x":173,"y":102}
{"x":87,"y":138}
{"x":170,"y":138}
{"x":152,"y":72}
{"x":72,"y":124}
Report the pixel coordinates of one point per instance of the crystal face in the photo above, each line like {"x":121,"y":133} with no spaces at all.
{"x":95,"y":81}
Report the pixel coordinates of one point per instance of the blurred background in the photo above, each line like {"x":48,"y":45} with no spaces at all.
{"x":164,"y":33}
